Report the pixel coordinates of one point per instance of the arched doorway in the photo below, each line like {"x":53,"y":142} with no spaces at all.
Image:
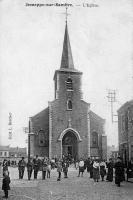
{"x":70,"y":145}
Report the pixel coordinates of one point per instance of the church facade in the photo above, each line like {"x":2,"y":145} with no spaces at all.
{"x":67,"y":125}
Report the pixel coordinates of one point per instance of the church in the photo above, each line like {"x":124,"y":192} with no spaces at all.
{"x":67,"y":126}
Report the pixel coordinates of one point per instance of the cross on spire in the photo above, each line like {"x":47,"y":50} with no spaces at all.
{"x":66,"y":13}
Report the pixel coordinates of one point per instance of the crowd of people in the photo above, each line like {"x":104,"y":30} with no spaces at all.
{"x":97,"y":169}
{"x":101,"y":169}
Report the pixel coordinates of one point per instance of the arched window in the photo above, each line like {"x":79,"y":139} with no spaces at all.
{"x":69,"y":84}
{"x":95,"y":139}
{"x":69,"y":105}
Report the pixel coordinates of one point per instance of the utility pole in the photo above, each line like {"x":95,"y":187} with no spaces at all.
{"x":29,"y":139}
{"x":112,"y":98}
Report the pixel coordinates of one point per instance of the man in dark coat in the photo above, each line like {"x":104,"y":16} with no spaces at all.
{"x":91,"y":169}
{"x":29,"y":168}
{"x":87,"y":163}
{"x":102,"y":169}
{"x":44,"y":168}
{"x":21,"y":168}
{"x":5,"y":183}
{"x":110,"y":166}
{"x":36,"y":165}
{"x":119,"y":171}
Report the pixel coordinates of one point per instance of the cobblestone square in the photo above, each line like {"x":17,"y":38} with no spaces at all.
{"x":73,"y":188}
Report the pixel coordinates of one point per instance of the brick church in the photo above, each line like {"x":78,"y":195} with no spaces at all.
{"x":67,"y":125}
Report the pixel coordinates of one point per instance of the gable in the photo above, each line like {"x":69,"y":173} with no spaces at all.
{"x":40,"y":121}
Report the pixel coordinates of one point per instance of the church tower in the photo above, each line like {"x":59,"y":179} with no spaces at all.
{"x":67,"y":78}
{"x":68,"y":112}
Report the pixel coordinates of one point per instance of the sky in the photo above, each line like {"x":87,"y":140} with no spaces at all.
{"x":31,"y":38}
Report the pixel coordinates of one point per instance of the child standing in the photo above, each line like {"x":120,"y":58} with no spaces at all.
{"x":5,"y":184}
{"x":59,"y":169}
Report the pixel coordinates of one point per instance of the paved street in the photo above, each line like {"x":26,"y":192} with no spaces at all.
{"x":73,"y":188}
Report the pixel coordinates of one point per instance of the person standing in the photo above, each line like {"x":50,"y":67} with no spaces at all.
{"x":59,"y":169}
{"x":52,"y":163}
{"x":65,"y":168}
{"x":88,"y":165}
{"x":6,"y":183}
{"x":48,"y":169}
{"x":29,"y":168}
{"x":44,"y":168}
{"x":119,"y":171}
{"x":102,"y":169}
{"x":36,"y":165}
{"x":76,"y":164}
{"x":91,"y":169}
{"x":96,"y":169}
{"x":21,"y":168}
{"x":81,"y":167}
{"x":110,"y":166}
{"x":130,"y":169}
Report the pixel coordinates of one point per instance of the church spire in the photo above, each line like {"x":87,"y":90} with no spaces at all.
{"x":67,"y":59}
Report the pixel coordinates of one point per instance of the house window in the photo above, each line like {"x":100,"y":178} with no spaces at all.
{"x":69,"y":84}
{"x":95,"y":139}
{"x":5,"y":153}
{"x":69,"y":105}
{"x":0,"y":153}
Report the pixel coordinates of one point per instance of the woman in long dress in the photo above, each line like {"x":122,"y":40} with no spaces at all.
{"x":119,"y":172}
{"x":110,"y":166}
{"x":96,"y":168}
{"x":81,"y":167}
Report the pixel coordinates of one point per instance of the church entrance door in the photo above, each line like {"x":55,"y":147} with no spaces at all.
{"x":70,"y":145}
